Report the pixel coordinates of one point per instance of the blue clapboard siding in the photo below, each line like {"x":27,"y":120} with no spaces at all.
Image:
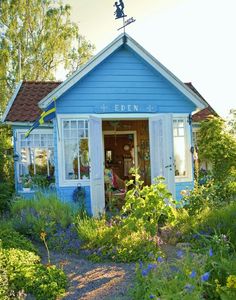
{"x":123,"y":78}
{"x":180,"y":186}
{"x":66,"y":195}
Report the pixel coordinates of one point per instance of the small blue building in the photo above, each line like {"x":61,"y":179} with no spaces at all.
{"x":123,"y":107}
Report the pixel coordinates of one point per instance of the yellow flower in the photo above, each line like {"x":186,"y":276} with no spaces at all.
{"x":231,"y":282}
{"x":218,"y":286}
{"x":43,"y":235}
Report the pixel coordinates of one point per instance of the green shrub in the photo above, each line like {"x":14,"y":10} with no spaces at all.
{"x":210,"y":221}
{"x":6,"y":193}
{"x":48,"y":283}
{"x":44,"y":213}
{"x":218,"y":146}
{"x":132,"y":235}
{"x":12,"y":239}
{"x":20,"y":270}
{"x":212,"y":194}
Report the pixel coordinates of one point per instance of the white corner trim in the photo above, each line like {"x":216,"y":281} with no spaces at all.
{"x":84,"y":70}
{"x":12,"y":99}
{"x":183,"y":88}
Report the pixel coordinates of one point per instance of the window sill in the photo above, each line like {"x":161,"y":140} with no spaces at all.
{"x":73,"y":183}
{"x":183,"y":179}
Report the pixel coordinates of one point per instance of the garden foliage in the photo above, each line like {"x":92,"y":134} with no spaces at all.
{"x":21,"y":273}
{"x":208,"y":274}
{"x":43,"y":213}
{"x":218,"y":146}
{"x":12,"y":239}
{"x":132,"y":235}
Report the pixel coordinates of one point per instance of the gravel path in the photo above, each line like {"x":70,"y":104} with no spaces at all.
{"x":93,"y":281}
{"x":97,"y":281}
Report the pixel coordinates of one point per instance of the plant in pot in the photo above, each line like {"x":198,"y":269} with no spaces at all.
{"x":26,"y":183}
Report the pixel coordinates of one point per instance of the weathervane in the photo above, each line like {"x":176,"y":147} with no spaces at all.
{"x":119,"y":13}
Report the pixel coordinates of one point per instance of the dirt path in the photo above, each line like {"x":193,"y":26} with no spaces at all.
{"x":97,"y":281}
{"x":93,"y":281}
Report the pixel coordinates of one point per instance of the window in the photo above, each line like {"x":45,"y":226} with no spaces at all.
{"x":76,"y":149}
{"x":195,"y":136}
{"x":182,"y":150}
{"x":36,"y":154}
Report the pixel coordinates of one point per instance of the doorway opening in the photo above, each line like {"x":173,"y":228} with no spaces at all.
{"x":126,"y":145}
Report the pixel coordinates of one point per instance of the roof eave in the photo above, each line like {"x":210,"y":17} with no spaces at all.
{"x":113,"y":46}
{"x":11,"y":101}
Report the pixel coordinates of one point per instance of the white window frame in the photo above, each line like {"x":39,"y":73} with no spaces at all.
{"x":63,"y":182}
{"x":188,"y":143}
{"x":18,"y":147}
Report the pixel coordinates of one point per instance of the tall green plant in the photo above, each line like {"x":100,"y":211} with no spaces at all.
{"x":218,"y":146}
{"x":145,"y":205}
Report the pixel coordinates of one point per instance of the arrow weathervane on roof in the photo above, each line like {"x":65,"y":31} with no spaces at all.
{"x":119,"y":13}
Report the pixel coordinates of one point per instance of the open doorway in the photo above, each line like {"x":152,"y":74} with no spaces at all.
{"x":126,"y":145}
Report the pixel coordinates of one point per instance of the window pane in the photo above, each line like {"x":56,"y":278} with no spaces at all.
{"x":80,"y":133}
{"x":66,"y":124}
{"x":71,"y":159}
{"x":73,"y":124}
{"x":180,"y":156}
{"x":84,"y":159}
{"x":80,"y":124}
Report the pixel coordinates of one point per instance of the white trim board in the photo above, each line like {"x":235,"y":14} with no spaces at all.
{"x":111,"y":48}
{"x":11,"y":101}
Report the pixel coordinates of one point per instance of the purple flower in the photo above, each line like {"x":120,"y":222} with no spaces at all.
{"x":210,"y":252}
{"x":193,"y":274}
{"x":145,"y":272}
{"x":140,"y":264}
{"x":152,"y":296}
{"x":160,"y":259}
{"x":152,"y":266}
{"x":205,"y":276}
{"x":180,"y":253}
{"x":189,"y":288}
{"x":174,"y":269}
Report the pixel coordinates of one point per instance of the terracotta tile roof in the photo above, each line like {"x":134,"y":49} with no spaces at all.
{"x":204,"y":113}
{"x":25,"y":107}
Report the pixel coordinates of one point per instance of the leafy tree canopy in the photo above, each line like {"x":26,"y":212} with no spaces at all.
{"x":36,"y":37}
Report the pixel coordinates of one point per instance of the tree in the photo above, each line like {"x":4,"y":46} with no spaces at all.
{"x":37,"y":37}
{"x":231,"y":122}
{"x":218,"y":146}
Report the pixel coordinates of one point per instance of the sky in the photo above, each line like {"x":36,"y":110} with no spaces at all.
{"x":194,"y":39}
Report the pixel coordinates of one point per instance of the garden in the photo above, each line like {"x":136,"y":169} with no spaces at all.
{"x":181,"y":250}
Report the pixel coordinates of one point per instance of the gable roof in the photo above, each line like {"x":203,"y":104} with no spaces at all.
{"x":23,"y":106}
{"x":123,"y":39}
{"x":204,"y":113}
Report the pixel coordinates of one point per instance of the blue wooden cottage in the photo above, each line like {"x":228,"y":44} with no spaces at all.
{"x":123,"y":107}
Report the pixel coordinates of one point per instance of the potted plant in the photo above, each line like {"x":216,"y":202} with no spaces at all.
{"x":26,"y":183}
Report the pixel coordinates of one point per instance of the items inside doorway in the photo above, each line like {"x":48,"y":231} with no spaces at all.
{"x":119,"y":153}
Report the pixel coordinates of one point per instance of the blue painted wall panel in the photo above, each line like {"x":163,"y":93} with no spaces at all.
{"x":66,"y":195}
{"x":183,"y":186}
{"x":123,"y":78}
